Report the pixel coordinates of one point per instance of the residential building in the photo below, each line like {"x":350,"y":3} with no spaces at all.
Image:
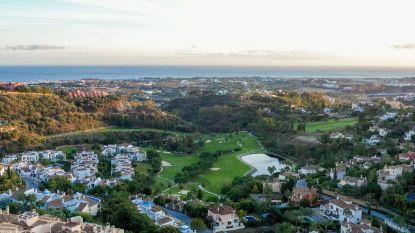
{"x":373,"y":140}
{"x":34,"y":222}
{"x":406,"y":157}
{"x":339,"y":172}
{"x":388,"y":116}
{"x":122,"y":166}
{"x":362,"y":161}
{"x":353,"y":181}
{"x":310,"y":169}
{"x":223,"y":218}
{"x":341,"y":209}
{"x":365,"y":226}
{"x":85,"y":166}
{"x":274,"y":185}
{"x":408,"y":135}
{"x":74,"y":203}
{"x":30,"y":157}
{"x":390,"y":173}
{"x":301,"y":193}
{"x":134,"y":153}
{"x":52,"y":155}
{"x":8,"y":159}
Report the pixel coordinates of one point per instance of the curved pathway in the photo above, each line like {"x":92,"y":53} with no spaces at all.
{"x":207,"y":191}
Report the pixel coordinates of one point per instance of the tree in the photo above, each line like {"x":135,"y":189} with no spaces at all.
{"x":271,"y":170}
{"x":168,"y":229}
{"x":198,"y":224}
{"x":285,"y":227}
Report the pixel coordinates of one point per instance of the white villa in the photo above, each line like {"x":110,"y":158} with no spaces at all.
{"x":85,"y":165}
{"x":340,"y":210}
{"x":390,"y":173}
{"x":353,"y":181}
{"x":310,"y":169}
{"x":408,"y":135}
{"x":224,"y":218}
{"x":122,"y":165}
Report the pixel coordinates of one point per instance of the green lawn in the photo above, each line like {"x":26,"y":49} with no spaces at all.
{"x":229,"y":165}
{"x":67,"y":149}
{"x":177,"y":163}
{"x":118,"y":129}
{"x":188,"y":186}
{"x":312,"y":127}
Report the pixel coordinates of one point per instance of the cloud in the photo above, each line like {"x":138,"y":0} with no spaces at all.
{"x":404,"y":46}
{"x":270,"y":54}
{"x":33,"y":47}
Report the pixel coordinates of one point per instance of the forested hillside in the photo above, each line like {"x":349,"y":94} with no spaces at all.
{"x":26,"y":118}
{"x":42,"y":114}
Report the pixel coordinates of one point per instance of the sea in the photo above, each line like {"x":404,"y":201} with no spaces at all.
{"x":48,"y":73}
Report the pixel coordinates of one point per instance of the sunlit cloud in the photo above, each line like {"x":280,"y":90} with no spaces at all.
{"x":404,"y":46}
{"x":33,"y":47}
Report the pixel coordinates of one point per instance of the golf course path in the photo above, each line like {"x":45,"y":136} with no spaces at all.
{"x":207,"y":191}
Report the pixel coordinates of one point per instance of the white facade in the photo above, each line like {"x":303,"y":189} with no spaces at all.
{"x":408,"y":135}
{"x":340,"y":210}
{"x":224,"y":218}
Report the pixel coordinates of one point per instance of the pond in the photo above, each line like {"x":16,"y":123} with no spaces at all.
{"x":261,"y":162}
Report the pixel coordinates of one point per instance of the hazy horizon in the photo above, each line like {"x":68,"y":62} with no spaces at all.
{"x":191,"y":32}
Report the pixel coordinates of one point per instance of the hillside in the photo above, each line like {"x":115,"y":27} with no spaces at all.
{"x":40,"y":114}
{"x":26,"y":118}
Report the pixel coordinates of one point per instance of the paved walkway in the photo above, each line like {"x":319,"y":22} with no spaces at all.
{"x":207,"y":191}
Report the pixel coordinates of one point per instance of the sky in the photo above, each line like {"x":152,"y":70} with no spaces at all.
{"x":377,"y":33}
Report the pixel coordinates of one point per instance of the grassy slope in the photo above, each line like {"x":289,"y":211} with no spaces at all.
{"x":331,"y":124}
{"x":229,"y":164}
{"x":177,"y":162}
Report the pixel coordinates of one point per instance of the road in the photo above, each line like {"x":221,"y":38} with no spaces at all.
{"x":31,"y":183}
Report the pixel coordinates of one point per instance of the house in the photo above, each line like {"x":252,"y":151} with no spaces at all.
{"x":301,"y":193}
{"x":73,"y":203}
{"x":223,"y":218}
{"x":122,"y":165}
{"x":339,"y":172}
{"x":341,"y":209}
{"x":388,"y":116}
{"x":357,"y":108}
{"x":34,"y":222}
{"x":365,"y":226}
{"x":52,"y":155}
{"x":134,"y":153}
{"x":383,"y":132}
{"x":353,"y":181}
{"x":373,"y":140}
{"x":8,"y":159}
{"x":274,"y":185}
{"x":327,"y":110}
{"x":223,"y":92}
{"x":310,"y":169}
{"x":147,"y":207}
{"x":30,"y":157}
{"x":46,"y":173}
{"x":85,"y":166}
{"x":390,"y":173}
{"x":287,"y":175}
{"x":362,"y":161}
{"x":406,"y":157}
{"x":408,"y":135}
